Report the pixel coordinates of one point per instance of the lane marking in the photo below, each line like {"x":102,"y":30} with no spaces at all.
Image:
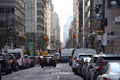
{"x":58,"y":77}
{"x":15,"y":77}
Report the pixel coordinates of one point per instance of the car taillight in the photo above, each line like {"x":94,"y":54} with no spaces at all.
{"x":53,"y":59}
{"x":106,"y":78}
{"x":78,"y":61}
{"x":42,"y":59}
{"x":22,"y":60}
{"x":11,"y":61}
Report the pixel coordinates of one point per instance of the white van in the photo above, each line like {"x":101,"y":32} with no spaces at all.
{"x":19,"y":54}
{"x":77,"y":53}
{"x":57,"y":56}
{"x":66,"y":54}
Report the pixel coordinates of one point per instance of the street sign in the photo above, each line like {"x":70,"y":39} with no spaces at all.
{"x":99,"y":37}
{"x":113,"y":37}
{"x":104,"y":39}
{"x":109,"y":37}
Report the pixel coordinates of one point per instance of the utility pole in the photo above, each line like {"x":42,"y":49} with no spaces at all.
{"x":83,"y":23}
{"x":103,"y":26}
{"x":6,"y":29}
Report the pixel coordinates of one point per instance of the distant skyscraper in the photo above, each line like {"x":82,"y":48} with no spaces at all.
{"x":55,"y":30}
{"x":67,"y":27}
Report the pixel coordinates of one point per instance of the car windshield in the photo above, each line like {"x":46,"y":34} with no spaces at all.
{"x":17,"y":55}
{"x":47,"y":56}
{"x":10,"y":57}
{"x":87,"y":59}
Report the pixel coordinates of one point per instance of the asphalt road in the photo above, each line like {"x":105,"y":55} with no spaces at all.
{"x":61,"y":72}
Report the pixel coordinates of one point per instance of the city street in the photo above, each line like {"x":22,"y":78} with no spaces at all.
{"x":61,"y":72}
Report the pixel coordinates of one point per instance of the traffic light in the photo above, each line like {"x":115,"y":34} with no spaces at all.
{"x":46,"y":38}
{"x":25,"y":39}
{"x":74,"y":36}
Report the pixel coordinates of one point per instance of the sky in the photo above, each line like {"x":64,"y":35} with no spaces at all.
{"x":64,"y":9}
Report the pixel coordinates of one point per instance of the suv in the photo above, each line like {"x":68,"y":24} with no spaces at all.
{"x":48,"y":61}
{"x":5,"y":64}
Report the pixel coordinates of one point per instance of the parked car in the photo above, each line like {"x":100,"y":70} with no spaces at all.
{"x":27,"y":60}
{"x":76,"y":57}
{"x":19,"y":54}
{"x":90,"y":66}
{"x":83,"y":61}
{"x":111,"y":72}
{"x":37,"y":59}
{"x":86,"y":61}
{"x":48,"y":61}
{"x":70,"y":61}
{"x":5,"y":64}
{"x":13,"y":62}
{"x":0,"y":73}
{"x":32,"y":58}
{"x":101,"y":63}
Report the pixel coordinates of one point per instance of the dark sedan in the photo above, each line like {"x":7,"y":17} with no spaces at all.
{"x":48,"y":61}
{"x":5,"y":64}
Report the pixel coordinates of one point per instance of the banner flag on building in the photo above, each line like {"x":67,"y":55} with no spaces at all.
{"x":104,"y":39}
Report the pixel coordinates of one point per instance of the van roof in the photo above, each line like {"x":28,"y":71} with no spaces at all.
{"x":84,"y":51}
{"x":14,"y":50}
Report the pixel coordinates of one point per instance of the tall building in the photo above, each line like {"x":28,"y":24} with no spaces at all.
{"x":106,"y":25}
{"x":35,"y":24}
{"x":49,"y":22}
{"x":76,"y":20}
{"x":55,"y":31}
{"x":67,"y":27}
{"x":82,"y":22}
{"x":112,"y":26}
{"x":12,"y":23}
{"x":70,"y":42}
{"x":86,"y":22}
{"x":41,"y":23}
{"x":31,"y":24}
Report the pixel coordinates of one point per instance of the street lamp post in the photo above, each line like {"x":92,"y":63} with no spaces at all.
{"x":83,"y":24}
{"x":54,"y":38}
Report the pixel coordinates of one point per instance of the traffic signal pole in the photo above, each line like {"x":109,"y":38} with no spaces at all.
{"x":83,"y":24}
{"x":103,"y":17}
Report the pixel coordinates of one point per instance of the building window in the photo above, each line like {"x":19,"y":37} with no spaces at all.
{"x":12,"y":10}
{"x":39,"y":27}
{"x":113,"y":3}
{"x":40,"y":20}
{"x":1,"y":10}
{"x":40,"y":13}
{"x":39,"y":5}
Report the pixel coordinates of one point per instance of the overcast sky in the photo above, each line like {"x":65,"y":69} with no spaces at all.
{"x":64,"y":8}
